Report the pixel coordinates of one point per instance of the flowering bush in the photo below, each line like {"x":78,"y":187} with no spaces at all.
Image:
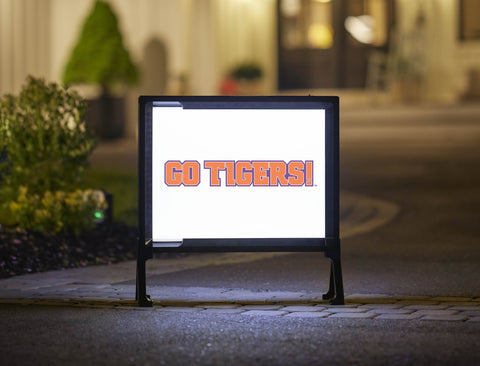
{"x":57,"y":211}
{"x":44,"y":149}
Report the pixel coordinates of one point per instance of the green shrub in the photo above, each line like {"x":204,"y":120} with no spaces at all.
{"x":44,"y":148}
{"x":44,"y":138}
{"x":57,"y":211}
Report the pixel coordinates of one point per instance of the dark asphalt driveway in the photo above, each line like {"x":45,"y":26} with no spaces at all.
{"x":76,"y":336}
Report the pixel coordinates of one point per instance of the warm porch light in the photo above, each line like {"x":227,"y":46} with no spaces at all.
{"x":320,"y":36}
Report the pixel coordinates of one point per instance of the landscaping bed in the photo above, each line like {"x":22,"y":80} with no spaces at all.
{"x":24,"y":252}
{"x":50,"y":199}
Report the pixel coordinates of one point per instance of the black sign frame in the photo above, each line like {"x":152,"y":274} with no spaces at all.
{"x":330,"y":245}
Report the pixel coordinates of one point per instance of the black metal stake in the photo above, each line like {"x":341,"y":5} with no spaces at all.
{"x":331,"y":288}
{"x":141,"y":291}
{"x":335,"y":289}
{"x":338,"y":281}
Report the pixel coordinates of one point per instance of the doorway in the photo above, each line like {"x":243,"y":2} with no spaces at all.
{"x":327,"y":43}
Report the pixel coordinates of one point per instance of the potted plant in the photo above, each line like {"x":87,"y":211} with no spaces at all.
{"x":243,"y":79}
{"x":100,"y":58}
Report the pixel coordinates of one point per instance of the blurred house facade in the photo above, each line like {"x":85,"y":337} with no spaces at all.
{"x":426,"y":50}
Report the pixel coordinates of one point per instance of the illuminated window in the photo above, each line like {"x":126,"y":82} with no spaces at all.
{"x":306,"y":24}
{"x":367,"y":22}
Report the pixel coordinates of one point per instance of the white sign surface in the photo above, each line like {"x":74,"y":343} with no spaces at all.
{"x":237,"y":173}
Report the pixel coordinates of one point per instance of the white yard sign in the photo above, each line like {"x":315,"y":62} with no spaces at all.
{"x":237,"y":173}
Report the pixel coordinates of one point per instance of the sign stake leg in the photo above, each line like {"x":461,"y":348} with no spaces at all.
{"x":141,"y":290}
{"x":330,"y":294}
{"x":336,"y":270}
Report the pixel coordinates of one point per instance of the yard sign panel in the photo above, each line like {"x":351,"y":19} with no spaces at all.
{"x":237,"y":173}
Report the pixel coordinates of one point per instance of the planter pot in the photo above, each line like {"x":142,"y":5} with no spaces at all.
{"x":106,"y":116}
{"x":248,"y":87}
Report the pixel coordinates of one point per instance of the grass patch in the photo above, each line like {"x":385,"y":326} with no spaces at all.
{"x":122,"y":183}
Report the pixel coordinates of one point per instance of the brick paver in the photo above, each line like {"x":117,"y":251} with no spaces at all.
{"x":390,"y":311}
{"x":436,"y":312}
{"x":378,"y":307}
{"x":310,"y":308}
{"x":467,"y":308}
{"x":455,"y":317}
{"x":408,"y":302}
{"x":261,"y":307}
{"x":460,"y":303}
{"x":345,"y":310}
{"x":426,"y":307}
{"x":264,"y":313}
{"x":398,"y":316}
{"x":218,"y":306}
{"x":353,"y":315}
{"x":309,"y":314}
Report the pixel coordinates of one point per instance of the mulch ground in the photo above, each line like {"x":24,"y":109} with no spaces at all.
{"x":28,"y":252}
